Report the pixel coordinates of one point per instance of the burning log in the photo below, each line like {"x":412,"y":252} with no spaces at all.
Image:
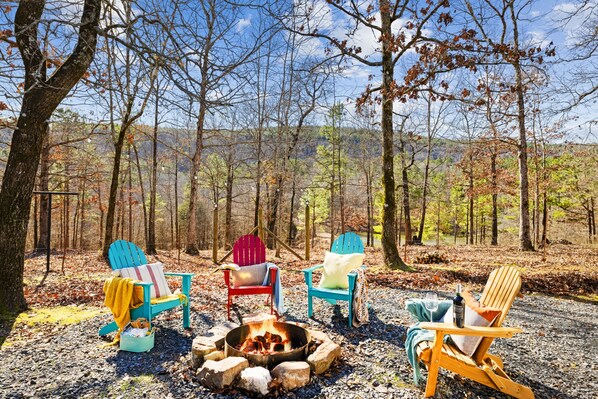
{"x":264,"y":344}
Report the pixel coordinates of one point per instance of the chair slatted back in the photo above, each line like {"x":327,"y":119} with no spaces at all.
{"x":500,"y":292}
{"x":123,"y":254}
{"x":249,"y":250}
{"x":348,"y":243}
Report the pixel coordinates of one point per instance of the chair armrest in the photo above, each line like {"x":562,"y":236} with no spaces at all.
{"x":143,"y":284}
{"x":273,"y":270}
{"x":307,"y":274}
{"x":352,"y":277}
{"x":178,"y":274}
{"x":227,"y":277}
{"x":146,"y":290}
{"x":495,"y":332}
{"x":186,"y":286}
{"x":312,"y":269}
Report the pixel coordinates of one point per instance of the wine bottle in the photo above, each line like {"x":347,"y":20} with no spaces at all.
{"x":459,"y":308}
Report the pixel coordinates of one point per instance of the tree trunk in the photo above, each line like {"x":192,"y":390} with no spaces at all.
{"x":191,"y":247}
{"x":228,"y":217}
{"x":494,"y":183}
{"x":143,"y":206}
{"x":82,"y":220}
{"x":41,"y":97}
{"x":111,"y":212}
{"x":422,"y":221}
{"x":44,"y":179}
{"x":525,"y":242}
{"x":274,"y":209}
{"x":292,"y":227}
{"x":341,"y":186}
{"x":130,"y":227}
{"x":176,"y":198}
{"x":471,"y":213}
{"x":151,"y":225}
{"x":592,"y":205}
{"x":389,"y":243}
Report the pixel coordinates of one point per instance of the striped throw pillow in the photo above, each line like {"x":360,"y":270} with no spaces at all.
{"x":150,"y":273}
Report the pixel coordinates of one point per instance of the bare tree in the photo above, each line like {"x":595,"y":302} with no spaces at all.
{"x":127,"y":83}
{"x":42,"y":95}
{"x":498,"y":26}
{"x":386,"y":20}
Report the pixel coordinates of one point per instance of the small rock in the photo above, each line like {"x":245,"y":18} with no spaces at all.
{"x":292,"y":374}
{"x":323,"y":357}
{"x":255,"y":379}
{"x":220,"y":331}
{"x":222,"y":373}
{"x":210,"y":342}
{"x":319,"y":335}
{"x":215,"y":356}
{"x":298,"y":323}
{"x":198,"y":352}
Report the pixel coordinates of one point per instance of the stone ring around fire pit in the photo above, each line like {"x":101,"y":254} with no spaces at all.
{"x":267,"y":343}
{"x":254,"y":356}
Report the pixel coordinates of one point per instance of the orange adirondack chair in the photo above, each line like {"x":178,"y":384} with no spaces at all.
{"x":501,"y":289}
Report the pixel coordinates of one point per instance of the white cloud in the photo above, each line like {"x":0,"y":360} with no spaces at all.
{"x":356,"y":72}
{"x":565,"y":8}
{"x":538,"y":38}
{"x":243,"y":23}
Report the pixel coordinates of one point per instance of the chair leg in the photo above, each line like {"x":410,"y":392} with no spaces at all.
{"x":108,"y":328}
{"x":310,"y":310}
{"x":229,"y":303}
{"x":350,"y":312}
{"x":434,"y":364}
{"x":186,"y":315}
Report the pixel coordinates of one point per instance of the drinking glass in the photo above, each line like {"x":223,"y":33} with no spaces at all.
{"x":431,"y":303}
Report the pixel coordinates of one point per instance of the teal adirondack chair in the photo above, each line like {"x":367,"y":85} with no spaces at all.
{"x":123,"y":254}
{"x":348,"y":243}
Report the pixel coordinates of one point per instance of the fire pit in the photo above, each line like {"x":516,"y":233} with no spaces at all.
{"x":267,"y":343}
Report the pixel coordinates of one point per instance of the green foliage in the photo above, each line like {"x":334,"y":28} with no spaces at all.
{"x":319,"y":202}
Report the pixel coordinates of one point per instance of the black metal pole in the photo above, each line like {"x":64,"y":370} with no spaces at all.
{"x":49,"y":231}
{"x":49,"y":194}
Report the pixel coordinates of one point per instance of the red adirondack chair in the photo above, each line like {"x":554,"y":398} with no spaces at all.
{"x":249,"y":250}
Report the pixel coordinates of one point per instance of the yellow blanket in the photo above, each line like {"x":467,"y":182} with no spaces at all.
{"x":167,"y":298}
{"x":121,"y":297}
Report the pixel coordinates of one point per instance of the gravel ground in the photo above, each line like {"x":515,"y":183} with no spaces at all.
{"x":555,"y":355}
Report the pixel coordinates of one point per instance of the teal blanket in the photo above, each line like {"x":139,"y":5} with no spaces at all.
{"x":416,"y":334}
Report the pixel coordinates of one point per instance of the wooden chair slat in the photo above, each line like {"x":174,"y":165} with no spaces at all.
{"x":249,"y":250}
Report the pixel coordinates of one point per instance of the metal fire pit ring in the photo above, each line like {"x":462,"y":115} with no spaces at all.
{"x":299,"y":337}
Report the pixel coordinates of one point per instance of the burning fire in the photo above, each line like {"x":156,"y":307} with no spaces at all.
{"x":264,"y":338}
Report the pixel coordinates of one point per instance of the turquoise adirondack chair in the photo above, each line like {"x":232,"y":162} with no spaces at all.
{"x":348,"y":243}
{"x":123,"y":254}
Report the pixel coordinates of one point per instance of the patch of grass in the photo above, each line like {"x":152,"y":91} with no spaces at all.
{"x":61,"y":315}
{"x":588,"y":297}
{"x":133,"y":383}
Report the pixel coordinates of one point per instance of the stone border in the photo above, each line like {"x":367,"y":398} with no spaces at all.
{"x":215,"y":371}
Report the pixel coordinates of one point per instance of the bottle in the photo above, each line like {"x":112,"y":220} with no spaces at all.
{"x":459,"y":308}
